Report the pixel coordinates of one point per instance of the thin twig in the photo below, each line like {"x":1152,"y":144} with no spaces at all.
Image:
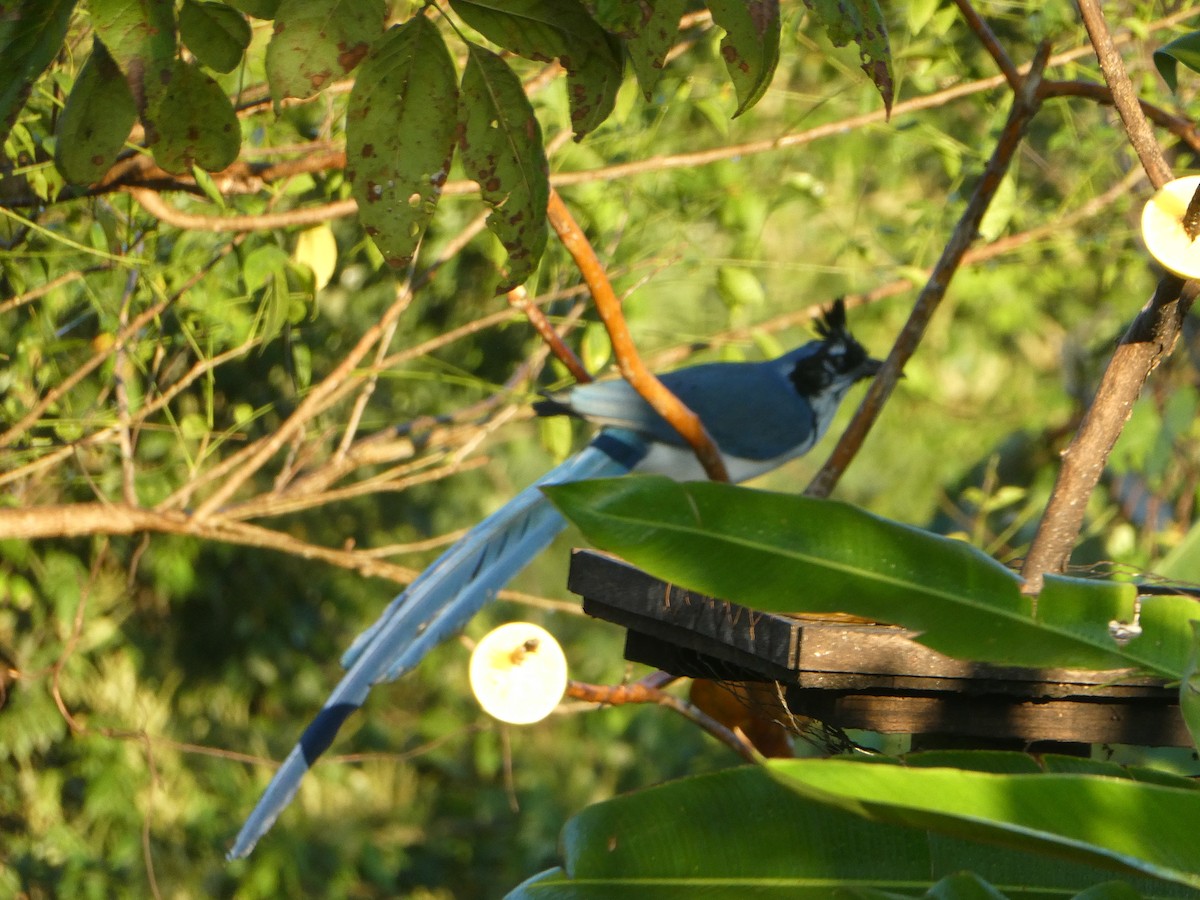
{"x":990,"y":43}
{"x":518,"y":299}
{"x":1150,"y":339}
{"x":1025,"y":105}
{"x":122,"y":372}
{"x":1125,"y":98}
{"x":645,"y":692}
{"x":43,"y":289}
{"x":243,"y":465}
{"x":666,"y":404}
{"x":122,"y":337}
{"x":364,"y":395}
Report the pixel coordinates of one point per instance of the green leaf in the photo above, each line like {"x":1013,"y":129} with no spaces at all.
{"x":96,"y":121}
{"x":562,"y":30}
{"x":31,"y":34}
{"x":1185,"y":49}
{"x":262,"y":266}
{"x":736,"y":834}
{"x":754,"y":547}
{"x":216,"y":34}
{"x":400,"y":135}
{"x":318,"y":41}
{"x":862,"y":22}
{"x":739,"y":287}
{"x":194,"y":123}
{"x":1127,"y":825}
{"x":501,"y":144}
{"x":653,"y":39}
{"x":750,"y":46}
{"x":1189,"y":687}
{"x":141,"y":39}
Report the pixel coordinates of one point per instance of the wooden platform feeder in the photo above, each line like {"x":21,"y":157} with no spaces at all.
{"x":875,"y":677}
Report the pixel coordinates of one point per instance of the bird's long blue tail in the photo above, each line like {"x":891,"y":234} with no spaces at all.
{"x":433,"y":608}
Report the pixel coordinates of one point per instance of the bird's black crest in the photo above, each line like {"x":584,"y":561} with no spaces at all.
{"x":839,"y":355}
{"x":833,"y":321}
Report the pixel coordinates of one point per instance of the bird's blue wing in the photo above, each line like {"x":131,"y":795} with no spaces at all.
{"x":433,"y":608}
{"x":751,"y":410}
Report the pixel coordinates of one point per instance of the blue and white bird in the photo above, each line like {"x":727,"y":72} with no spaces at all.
{"x":760,"y":414}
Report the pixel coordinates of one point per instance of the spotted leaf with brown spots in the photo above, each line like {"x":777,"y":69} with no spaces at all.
{"x":750,"y":47}
{"x":501,"y":145}
{"x":562,"y":30}
{"x":860,"y":21}
{"x":400,"y":131}
{"x":193,"y":123}
{"x":96,"y":120}
{"x":316,"y":42}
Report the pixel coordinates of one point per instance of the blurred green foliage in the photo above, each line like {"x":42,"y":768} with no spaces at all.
{"x":137,"y":669}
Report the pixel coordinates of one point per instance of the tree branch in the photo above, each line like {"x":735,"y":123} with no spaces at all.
{"x":653,"y":391}
{"x":518,"y":299}
{"x":1025,"y":105}
{"x":1151,"y":336}
{"x":648,"y":690}
{"x":988,"y":39}
{"x":1125,"y":98}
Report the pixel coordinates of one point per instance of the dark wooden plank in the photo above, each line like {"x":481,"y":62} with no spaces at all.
{"x":873,"y":677}
{"x":1157,"y":724}
{"x":812,"y":653}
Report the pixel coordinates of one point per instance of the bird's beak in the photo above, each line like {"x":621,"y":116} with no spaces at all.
{"x":871,"y":368}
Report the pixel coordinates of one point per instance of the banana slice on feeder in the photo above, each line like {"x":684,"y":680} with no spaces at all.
{"x":1163,"y":231}
{"x":518,"y":673}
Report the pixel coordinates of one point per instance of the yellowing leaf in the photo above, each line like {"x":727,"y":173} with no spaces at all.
{"x":317,"y":249}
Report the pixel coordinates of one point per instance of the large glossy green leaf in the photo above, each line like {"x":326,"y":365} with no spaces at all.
{"x":400,"y":135}
{"x":217,"y":34}
{"x":96,"y":120}
{"x":750,"y":47}
{"x":737,"y":834}
{"x":31,"y":33}
{"x":860,"y":21}
{"x":140,"y":36}
{"x":1119,"y":823}
{"x":562,"y":30}
{"x":501,"y":144}
{"x":318,"y":41}
{"x":1184,"y":49}
{"x":1189,"y":687}
{"x":194,"y":123}
{"x":787,"y":553}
